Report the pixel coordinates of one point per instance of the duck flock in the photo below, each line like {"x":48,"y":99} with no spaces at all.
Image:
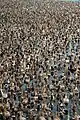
{"x":39,"y":60}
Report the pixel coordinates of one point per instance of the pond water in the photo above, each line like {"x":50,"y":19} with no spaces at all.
{"x":71,"y":0}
